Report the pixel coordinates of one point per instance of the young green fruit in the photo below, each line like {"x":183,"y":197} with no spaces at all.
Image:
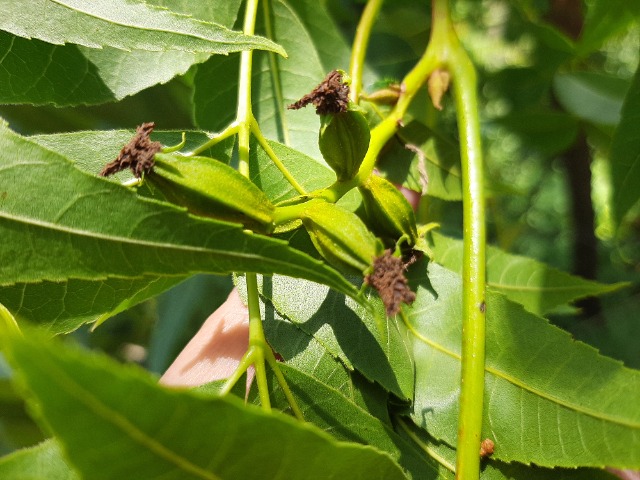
{"x":211,"y":188}
{"x":340,"y":236}
{"x":389,"y":213}
{"x":344,"y":141}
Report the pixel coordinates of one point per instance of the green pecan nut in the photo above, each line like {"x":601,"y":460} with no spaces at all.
{"x":210,"y":188}
{"x":340,"y":236}
{"x":389,"y":213}
{"x":344,"y":141}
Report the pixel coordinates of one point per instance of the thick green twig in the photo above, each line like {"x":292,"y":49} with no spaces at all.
{"x":463,"y":74}
{"x":445,"y":52}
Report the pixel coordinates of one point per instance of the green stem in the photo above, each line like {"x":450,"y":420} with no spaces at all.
{"x":473,"y":272}
{"x":257,"y":343}
{"x":244,"y":115}
{"x":259,"y":350}
{"x":359,"y":48}
{"x":463,"y":75}
{"x":231,"y":129}
{"x":255,"y":129}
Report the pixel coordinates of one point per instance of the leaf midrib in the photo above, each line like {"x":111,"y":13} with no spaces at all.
{"x":111,"y":237}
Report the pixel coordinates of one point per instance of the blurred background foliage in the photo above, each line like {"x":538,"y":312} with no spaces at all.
{"x":551,"y":93}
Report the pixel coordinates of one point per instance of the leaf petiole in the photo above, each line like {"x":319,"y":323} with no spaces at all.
{"x":232,"y":129}
{"x":257,"y":133}
{"x":177,"y":147}
{"x":359,"y":48}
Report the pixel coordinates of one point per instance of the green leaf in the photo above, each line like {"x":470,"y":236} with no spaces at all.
{"x":330,"y":396}
{"x":17,"y":429}
{"x":314,"y":47}
{"x":423,"y":160}
{"x":538,"y":287}
{"x":122,"y":24}
{"x":39,"y":73}
{"x":362,"y":338}
{"x":62,"y":307}
{"x":604,"y":19}
{"x":331,"y":411}
{"x":52,"y":224}
{"x":625,"y":154}
{"x":549,"y":400}
{"x":306,"y":354}
{"x":521,"y":88}
{"x":71,"y":75}
{"x":590,"y":96}
{"x":546,"y":132}
{"x":141,"y":430}
{"x":91,"y":150}
{"x":221,"y":12}
{"x":309,"y":172}
{"x":42,"y":461}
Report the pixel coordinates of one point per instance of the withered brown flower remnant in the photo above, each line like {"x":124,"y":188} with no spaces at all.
{"x":389,"y":280}
{"x":331,"y":96}
{"x":136,"y":155}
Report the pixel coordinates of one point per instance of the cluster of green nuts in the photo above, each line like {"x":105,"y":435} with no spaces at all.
{"x":349,"y":242}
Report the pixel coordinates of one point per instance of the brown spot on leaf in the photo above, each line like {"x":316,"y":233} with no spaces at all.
{"x":136,"y":155}
{"x":331,"y":96}
{"x":486,"y":447}
{"x":389,"y":280}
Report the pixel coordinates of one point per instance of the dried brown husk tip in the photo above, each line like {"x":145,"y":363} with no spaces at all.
{"x":331,"y":96}
{"x":136,"y":155}
{"x":389,"y":280}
